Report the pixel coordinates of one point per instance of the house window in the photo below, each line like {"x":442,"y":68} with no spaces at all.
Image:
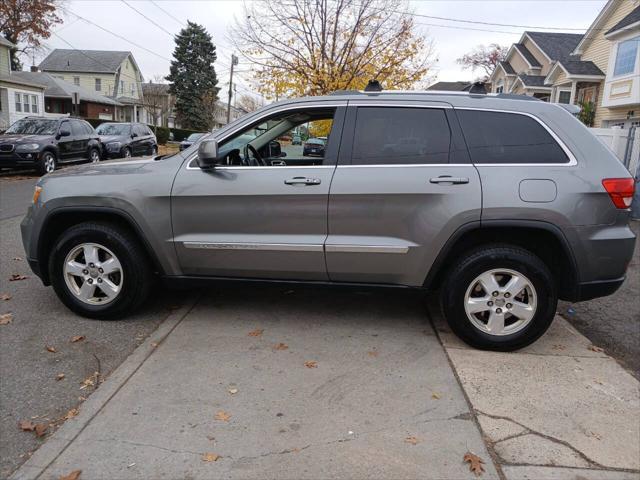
{"x":25,"y":103}
{"x":34,"y":103}
{"x":626,"y":57}
{"x":500,"y":89}
{"x":98,"y":85}
{"x":18,"y":102}
{"x":564,"y":96}
{"x":76,"y":81}
{"x":121,"y":86}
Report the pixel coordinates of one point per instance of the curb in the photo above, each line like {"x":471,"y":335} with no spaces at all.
{"x":55,"y":445}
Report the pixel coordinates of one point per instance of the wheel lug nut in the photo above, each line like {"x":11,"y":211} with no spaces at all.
{"x":85,"y":271}
{"x":90,"y":281}
{"x":507,"y":295}
{"x":99,"y":280}
{"x":495,"y":294}
{"x":498,"y":310}
{"x":509,"y":305}
{"x":490,"y":303}
{"x":101,"y":270}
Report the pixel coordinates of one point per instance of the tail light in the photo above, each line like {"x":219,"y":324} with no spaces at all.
{"x":620,"y":190}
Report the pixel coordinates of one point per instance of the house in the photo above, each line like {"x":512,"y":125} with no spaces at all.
{"x":159,"y":104}
{"x":220,"y":114}
{"x":18,"y":97}
{"x":600,"y":69}
{"x":59,"y":95}
{"x":612,"y":43}
{"x":113,"y":74}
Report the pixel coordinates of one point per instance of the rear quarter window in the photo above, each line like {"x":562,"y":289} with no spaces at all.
{"x":498,"y":137}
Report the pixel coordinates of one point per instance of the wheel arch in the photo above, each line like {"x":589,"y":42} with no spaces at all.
{"x":544,"y":239}
{"x":61,"y":219}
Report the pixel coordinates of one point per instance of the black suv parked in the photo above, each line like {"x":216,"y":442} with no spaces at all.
{"x":44,"y":142}
{"x":127,"y":139}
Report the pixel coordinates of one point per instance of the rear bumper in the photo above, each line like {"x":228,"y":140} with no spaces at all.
{"x":600,"y":288}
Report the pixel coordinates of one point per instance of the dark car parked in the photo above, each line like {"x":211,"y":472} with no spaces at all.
{"x":314,"y":146}
{"x":123,"y":140}
{"x":190,"y":140}
{"x":42,"y":143}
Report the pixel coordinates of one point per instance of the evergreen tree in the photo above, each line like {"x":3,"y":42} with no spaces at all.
{"x":193,"y":77}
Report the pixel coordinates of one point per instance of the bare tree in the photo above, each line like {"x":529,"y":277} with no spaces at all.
{"x":485,"y":58}
{"x":314,"y":47}
{"x":249,"y":103}
{"x":156,"y":99}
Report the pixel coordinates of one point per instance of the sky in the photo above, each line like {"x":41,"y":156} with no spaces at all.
{"x":154,"y":44}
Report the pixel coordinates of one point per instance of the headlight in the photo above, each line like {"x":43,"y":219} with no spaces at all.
{"x":114,"y":146}
{"x":27,"y":147}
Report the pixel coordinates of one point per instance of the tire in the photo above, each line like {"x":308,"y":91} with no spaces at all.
{"x":534,"y":307}
{"x":48,"y":163}
{"x":133,"y":279}
{"x":94,"y":155}
{"x":126,"y":153}
{"x":154,"y":151}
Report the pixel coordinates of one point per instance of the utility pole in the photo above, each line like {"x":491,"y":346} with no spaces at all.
{"x":234,"y":61}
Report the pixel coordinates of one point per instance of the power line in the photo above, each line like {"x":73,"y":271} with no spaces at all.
{"x":167,"y":13}
{"x":147,"y":18}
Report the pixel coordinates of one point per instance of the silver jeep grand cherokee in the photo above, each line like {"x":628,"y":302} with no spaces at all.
{"x":503,"y":203}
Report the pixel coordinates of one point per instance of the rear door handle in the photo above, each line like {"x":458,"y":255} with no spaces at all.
{"x":302,"y":181}
{"x":449,"y":179}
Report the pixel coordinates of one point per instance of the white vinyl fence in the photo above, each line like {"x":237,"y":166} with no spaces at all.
{"x":618,"y":140}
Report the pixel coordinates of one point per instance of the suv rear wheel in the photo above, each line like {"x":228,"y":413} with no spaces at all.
{"x":99,"y":270}
{"x":499,"y":297}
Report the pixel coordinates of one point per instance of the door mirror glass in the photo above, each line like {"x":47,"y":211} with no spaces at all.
{"x":64,"y":132}
{"x":134,"y":135}
{"x":207,"y":153}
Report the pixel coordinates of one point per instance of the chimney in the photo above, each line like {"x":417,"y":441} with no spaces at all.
{"x":34,"y":68}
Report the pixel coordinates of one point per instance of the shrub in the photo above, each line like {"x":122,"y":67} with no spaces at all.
{"x":162,"y":135}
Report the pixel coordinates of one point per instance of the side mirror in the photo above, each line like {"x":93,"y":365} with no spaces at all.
{"x":64,"y":133}
{"x":134,"y":135}
{"x":207,"y":154}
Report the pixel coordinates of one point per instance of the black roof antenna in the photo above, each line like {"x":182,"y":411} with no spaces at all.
{"x":373,"y":86}
{"x":478,"y":88}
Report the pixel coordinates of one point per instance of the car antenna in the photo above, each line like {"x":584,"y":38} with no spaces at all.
{"x":373,"y":86}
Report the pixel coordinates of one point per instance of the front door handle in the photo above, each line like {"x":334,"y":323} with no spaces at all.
{"x":449,"y":179}
{"x":302,"y":181}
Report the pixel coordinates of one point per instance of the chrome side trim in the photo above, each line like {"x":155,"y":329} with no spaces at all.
{"x":572,"y":159}
{"x":278,"y":247}
{"x":365,"y":249}
{"x":268,"y":167}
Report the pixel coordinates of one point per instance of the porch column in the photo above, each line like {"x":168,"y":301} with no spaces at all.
{"x":135,"y":113}
{"x":574,"y":84}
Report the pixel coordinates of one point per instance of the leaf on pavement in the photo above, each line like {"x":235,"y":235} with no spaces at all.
{"x":50,"y":348}
{"x":435,"y":396}
{"x":5,"y":318}
{"x":593,"y":348}
{"x":311,"y":364}
{"x":41,"y":429}
{"x":281,"y":346}
{"x":77,"y":338}
{"x":60,"y":376}
{"x":233,"y":390}
{"x":5,"y":297}
{"x":475,"y":463}
{"x":16,"y":276}
{"x":27,"y":425}
{"x":71,"y":413}
{"x":222,"y":416}
{"x":88,"y":382}
{"x":210,"y":457}
{"x":412,"y":440}
{"x":256,"y":333}
{"x":373,"y":353}
{"x":75,"y":475}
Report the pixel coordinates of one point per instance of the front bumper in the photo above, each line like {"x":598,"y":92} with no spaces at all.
{"x":15,"y":159}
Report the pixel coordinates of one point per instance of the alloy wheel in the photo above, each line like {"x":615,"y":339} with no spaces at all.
{"x":95,"y":156}
{"x":93,"y":274}
{"x":49,"y":163}
{"x":500,"y":302}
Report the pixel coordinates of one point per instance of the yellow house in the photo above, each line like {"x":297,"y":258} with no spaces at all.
{"x":113,"y":74}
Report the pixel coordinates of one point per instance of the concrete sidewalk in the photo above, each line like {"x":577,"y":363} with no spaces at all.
{"x":280,"y":384}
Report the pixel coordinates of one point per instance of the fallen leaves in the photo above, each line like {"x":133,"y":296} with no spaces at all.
{"x":412,"y":440}
{"x":51,"y":349}
{"x":72,"y":476}
{"x":5,"y":318}
{"x":90,"y":381}
{"x":5,"y":297}
{"x":256,"y":333}
{"x":222,"y":416}
{"x":210,"y":457}
{"x":28,"y":426}
{"x":593,"y":348}
{"x":435,"y":396}
{"x":475,"y":463}
{"x":41,"y":429}
{"x":71,"y":413}
{"x":17,"y":277}
{"x":281,"y":346}
{"x":373,"y":353}
{"x":233,"y":390}
{"x":77,"y":338}
{"x":60,"y":376}
{"x":311,"y":364}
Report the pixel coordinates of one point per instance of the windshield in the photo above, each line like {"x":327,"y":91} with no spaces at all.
{"x":113,"y":129}
{"x":34,"y":126}
{"x":316,"y":141}
{"x":194,"y":136}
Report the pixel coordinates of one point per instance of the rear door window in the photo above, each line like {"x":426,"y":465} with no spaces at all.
{"x":498,"y":137}
{"x":77,"y":129}
{"x":400,"y":135}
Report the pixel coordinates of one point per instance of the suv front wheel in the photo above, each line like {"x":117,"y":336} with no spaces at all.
{"x":47,"y":163}
{"x":99,"y":270}
{"x":499,"y":297}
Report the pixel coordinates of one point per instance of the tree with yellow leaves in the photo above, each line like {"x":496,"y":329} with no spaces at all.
{"x":314,"y":47}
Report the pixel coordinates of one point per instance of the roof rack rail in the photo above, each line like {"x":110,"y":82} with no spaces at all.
{"x":346,"y":92}
{"x":513,"y":96}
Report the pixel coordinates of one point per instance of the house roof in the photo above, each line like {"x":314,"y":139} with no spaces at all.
{"x":633,"y":17}
{"x":93,"y":61}
{"x":17,"y":80}
{"x":532,"y":80}
{"x":5,"y":42}
{"x":507,"y":68}
{"x":155,"y":88}
{"x":58,"y":88}
{"x":557,"y":46}
{"x":528,"y":56}
{"x":581,"y":67}
{"x":450,"y":86}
